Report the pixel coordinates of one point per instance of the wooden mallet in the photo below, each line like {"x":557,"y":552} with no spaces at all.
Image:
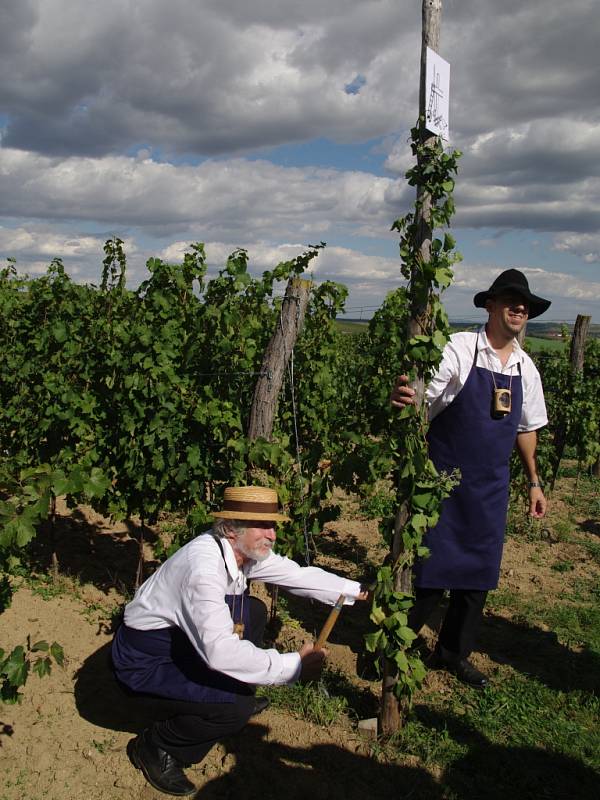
{"x":330,"y":622}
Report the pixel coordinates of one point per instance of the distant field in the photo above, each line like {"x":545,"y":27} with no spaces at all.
{"x":537,"y":344}
{"x":346,"y":326}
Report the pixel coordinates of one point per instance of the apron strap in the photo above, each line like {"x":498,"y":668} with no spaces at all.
{"x":476,"y":351}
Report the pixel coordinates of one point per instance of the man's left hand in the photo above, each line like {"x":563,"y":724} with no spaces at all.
{"x":537,"y":503}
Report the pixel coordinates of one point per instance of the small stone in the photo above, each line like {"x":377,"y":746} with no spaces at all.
{"x":124,"y":782}
{"x":228,"y":763}
{"x":368,"y":727}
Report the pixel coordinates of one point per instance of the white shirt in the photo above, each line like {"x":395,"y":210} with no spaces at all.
{"x":188,"y":591}
{"x":456,"y":363}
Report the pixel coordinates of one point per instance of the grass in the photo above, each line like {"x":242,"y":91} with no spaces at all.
{"x":537,"y":344}
{"x":351,"y":327}
{"x":534,"y":731}
{"x":314,"y":702}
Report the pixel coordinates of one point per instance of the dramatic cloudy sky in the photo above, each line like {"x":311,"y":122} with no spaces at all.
{"x":273,"y":124}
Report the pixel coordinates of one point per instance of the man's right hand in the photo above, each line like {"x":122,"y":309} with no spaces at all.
{"x":312,"y":662}
{"x":402,"y":395}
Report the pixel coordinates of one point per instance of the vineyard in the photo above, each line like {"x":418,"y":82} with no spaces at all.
{"x":123,"y":414}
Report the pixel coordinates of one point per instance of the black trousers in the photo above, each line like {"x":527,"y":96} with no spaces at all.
{"x":461,"y":622}
{"x":187,"y":730}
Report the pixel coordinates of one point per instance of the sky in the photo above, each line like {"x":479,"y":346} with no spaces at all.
{"x":272,"y":125}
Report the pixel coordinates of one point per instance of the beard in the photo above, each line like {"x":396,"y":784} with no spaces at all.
{"x":257,"y":553}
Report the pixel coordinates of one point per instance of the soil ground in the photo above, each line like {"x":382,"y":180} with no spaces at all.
{"x":67,"y":739}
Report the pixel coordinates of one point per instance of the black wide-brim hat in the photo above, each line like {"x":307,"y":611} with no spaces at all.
{"x":514,"y":281}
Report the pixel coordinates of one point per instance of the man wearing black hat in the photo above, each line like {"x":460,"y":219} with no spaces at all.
{"x":485,"y":397}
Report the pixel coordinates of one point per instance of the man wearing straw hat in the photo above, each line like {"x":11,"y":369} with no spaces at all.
{"x":485,"y":397}
{"x":191,"y":635}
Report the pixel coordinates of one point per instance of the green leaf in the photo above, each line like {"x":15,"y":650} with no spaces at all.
{"x":41,"y":645}
{"x":42,"y":666}
{"x":419,"y":522}
{"x":59,"y":332}
{"x":16,"y":667}
{"x":57,"y":653}
{"x":377,"y":615}
{"x":372,"y":641}
{"x":401,"y":661}
{"x":96,"y":484}
{"x":24,"y":531}
{"x":407,"y":634}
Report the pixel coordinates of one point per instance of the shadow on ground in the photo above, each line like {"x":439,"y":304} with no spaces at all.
{"x":87,"y":551}
{"x":272,"y":770}
{"x":539,"y":654}
{"x":494,"y":772}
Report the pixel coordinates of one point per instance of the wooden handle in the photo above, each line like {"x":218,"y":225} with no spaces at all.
{"x":330,"y":622}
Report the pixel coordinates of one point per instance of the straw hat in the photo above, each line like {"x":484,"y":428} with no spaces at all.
{"x":251,"y":502}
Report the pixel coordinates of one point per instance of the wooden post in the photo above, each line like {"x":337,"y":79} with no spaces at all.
{"x":576,"y":359}
{"x":276,"y":358}
{"x":391,"y":716}
{"x":270,"y":380}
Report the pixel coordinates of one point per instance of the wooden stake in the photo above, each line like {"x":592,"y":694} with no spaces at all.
{"x":576,"y":357}
{"x":276,"y":357}
{"x":391,"y":718}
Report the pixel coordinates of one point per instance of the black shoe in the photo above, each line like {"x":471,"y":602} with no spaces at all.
{"x":461,"y":667}
{"x":260,"y":704}
{"x":467,"y":673}
{"x":160,"y":769}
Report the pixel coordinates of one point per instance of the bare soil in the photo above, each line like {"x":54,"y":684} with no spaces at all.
{"x":67,"y":739}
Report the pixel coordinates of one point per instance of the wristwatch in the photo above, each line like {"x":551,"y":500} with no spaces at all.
{"x":535,"y":485}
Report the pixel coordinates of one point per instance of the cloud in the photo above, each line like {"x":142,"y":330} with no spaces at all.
{"x":35,"y":242}
{"x":197,"y":78}
{"x":249,"y":199}
{"x":586,"y":246}
{"x":140,"y":119}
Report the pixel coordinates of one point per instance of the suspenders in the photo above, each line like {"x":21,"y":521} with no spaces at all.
{"x":238,"y":627}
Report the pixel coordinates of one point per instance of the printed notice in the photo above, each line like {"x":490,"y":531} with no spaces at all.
{"x":437,"y":95}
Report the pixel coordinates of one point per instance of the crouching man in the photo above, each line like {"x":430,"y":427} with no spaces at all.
{"x":191,"y":635}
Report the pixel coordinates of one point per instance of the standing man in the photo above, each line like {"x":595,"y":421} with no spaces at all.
{"x":192,"y":633}
{"x":485,"y":397}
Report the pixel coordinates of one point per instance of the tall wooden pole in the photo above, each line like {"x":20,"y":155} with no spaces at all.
{"x":276,"y":358}
{"x":576,"y":358}
{"x":391,"y":716}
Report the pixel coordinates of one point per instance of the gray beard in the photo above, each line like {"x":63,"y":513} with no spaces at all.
{"x":250,"y":552}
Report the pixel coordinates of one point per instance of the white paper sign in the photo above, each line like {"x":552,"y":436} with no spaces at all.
{"x":437,"y":95}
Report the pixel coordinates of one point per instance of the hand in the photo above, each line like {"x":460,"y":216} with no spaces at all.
{"x":365,"y":592}
{"x":402,"y":395}
{"x":312,"y":662}
{"x":537,"y":502}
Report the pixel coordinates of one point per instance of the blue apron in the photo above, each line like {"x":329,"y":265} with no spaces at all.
{"x":163,"y":662}
{"x":466,"y":544}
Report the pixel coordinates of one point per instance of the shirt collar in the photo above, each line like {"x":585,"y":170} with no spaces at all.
{"x":515,"y":357}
